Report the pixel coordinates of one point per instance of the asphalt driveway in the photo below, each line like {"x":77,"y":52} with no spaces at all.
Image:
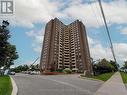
{"x":55,"y":85}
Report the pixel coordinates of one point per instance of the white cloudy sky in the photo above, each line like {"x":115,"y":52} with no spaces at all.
{"x":30,"y":17}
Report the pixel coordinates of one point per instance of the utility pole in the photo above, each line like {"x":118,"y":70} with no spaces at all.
{"x":107,"y":29}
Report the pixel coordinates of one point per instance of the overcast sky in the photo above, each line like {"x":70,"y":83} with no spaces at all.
{"x":30,"y":17}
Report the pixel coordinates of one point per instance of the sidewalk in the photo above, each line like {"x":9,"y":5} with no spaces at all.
{"x":114,"y":86}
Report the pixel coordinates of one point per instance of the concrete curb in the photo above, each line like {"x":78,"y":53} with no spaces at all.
{"x":14,"y":86}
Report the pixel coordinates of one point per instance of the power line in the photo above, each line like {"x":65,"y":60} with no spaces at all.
{"x":96,"y":10}
{"x":101,"y":19}
{"x":35,"y":60}
{"x":107,"y":29}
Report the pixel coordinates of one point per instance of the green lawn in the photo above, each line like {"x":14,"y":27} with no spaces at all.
{"x":124,"y":77}
{"x":5,"y":85}
{"x":103,"y":77}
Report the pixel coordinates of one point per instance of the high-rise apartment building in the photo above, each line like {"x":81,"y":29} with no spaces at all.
{"x":65,"y":46}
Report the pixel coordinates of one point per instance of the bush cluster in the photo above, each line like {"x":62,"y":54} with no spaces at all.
{"x":104,"y":66}
{"x":67,"y":70}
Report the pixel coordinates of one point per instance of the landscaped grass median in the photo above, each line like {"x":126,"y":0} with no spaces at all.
{"x":103,"y":77}
{"x":5,"y":85}
{"x":124,"y":77}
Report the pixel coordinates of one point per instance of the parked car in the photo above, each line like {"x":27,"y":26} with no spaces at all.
{"x":34,"y":72}
{"x":12,"y":73}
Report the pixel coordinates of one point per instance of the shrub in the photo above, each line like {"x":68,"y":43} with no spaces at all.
{"x":59,"y":70}
{"x":103,"y":66}
{"x":67,"y":70}
{"x":74,"y":70}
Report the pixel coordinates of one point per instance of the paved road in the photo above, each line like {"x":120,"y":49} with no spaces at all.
{"x":55,"y":85}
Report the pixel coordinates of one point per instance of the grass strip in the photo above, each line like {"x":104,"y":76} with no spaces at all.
{"x":5,"y":85}
{"x":124,"y":77}
{"x":103,"y":77}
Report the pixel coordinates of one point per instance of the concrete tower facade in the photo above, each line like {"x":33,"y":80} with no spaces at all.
{"x":65,"y":46}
